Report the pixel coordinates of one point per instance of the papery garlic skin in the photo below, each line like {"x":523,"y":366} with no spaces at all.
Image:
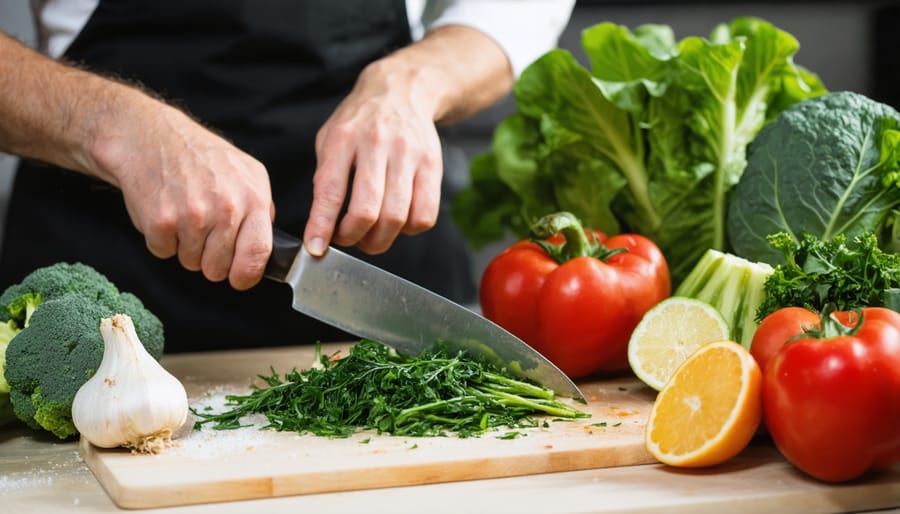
{"x":131,"y":400}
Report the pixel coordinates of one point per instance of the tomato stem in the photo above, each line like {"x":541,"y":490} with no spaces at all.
{"x":830,"y":327}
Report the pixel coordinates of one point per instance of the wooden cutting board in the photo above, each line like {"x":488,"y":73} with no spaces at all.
{"x":215,"y":466}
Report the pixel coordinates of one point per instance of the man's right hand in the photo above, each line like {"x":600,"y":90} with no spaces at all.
{"x":188,"y":191}
{"x":191,"y":193}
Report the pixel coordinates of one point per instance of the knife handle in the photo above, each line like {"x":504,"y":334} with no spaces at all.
{"x":285,"y":248}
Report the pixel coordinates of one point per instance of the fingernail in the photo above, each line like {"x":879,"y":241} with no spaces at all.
{"x":316,"y":246}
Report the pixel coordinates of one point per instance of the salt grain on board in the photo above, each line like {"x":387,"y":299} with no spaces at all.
{"x":209,"y":442}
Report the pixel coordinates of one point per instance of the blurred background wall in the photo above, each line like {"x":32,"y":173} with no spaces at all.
{"x":850,"y":45}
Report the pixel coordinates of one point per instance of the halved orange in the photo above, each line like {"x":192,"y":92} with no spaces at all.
{"x":710,"y":408}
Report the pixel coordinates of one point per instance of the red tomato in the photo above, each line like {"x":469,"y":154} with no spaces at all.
{"x":832,"y":401}
{"x":780,"y":326}
{"x":580,"y":312}
{"x":776,"y":329}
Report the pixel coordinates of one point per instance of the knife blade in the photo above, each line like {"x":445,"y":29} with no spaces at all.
{"x":366,"y":301}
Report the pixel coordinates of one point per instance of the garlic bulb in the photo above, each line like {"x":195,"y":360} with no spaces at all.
{"x":131,"y":400}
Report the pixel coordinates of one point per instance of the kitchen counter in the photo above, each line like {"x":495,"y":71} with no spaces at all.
{"x":43,"y":475}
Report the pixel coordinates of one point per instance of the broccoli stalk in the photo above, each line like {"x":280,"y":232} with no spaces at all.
{"x":52,"y":319}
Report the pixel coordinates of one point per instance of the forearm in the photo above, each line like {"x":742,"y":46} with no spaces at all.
{"x":453,"y":72}
{"x":57,"y":113}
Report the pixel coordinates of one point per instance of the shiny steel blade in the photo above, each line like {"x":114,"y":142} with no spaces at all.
{"x":371,"y":303}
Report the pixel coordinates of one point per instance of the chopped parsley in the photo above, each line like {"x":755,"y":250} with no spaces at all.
{"x":377,"y":388}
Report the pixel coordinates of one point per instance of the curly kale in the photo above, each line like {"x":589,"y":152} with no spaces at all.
{"x":847,"y":274}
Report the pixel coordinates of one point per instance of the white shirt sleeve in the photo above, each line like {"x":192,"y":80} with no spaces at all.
{"x":58,"y":22}
{"x":524,"y":29}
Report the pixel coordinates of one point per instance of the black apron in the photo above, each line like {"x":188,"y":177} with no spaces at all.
{"x":264,"y":73}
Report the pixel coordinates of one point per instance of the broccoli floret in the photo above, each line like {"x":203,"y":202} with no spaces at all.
{"x":51,"y":282}
{"x":58,"y":347}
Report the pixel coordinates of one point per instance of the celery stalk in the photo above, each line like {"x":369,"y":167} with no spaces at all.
{"x":731,"y":284}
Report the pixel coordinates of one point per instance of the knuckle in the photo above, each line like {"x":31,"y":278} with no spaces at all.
{"x":377,"y":134}
{"x":401,"y":145}
{"x":363,"y":213}
{"x":419,"y":225}
{"x":329,"y":191}
{"x":422,"y":219}
{"x":192,"y":219}
{"x":429,"y":159}
{"x":373,"y":246}
{"x":226,"y":208}
{"x":246,"y":276}
{"x":394,"y":218}
{"x":340,"y":132}
{"x":162,"y":223}
{"x":215,"y":272}
{"x":160,"y":249}
{"x":256,"y":253}
{"x":189,"y":259}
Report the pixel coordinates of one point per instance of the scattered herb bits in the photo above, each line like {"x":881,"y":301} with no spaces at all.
{"x":377,"y":388}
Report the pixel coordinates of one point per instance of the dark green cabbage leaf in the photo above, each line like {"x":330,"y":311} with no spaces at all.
{"x":826,"y":166}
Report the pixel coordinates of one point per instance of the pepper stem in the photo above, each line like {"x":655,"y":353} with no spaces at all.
{"x":577,"y":242}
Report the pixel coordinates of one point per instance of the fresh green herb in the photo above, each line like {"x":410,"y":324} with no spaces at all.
{"x":377,"y":388}
{"x":601,"y":424}
{"x":817,"y":273}
{"x":513,"y":434}
{"x":618,"y":424}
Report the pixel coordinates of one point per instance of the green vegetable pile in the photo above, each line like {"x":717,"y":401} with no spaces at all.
{"x":50,"y":341}
{"x":651,"y":139}
{"x":819,"y":201}
{"x":374,"y":387}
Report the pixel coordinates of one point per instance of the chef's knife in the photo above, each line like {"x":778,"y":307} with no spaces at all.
{"x":371,"y":303}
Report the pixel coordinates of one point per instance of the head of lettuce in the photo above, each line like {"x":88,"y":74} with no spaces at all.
{"x":650,"y":137}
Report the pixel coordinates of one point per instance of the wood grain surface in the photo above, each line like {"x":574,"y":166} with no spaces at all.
{"x":215,"y":466}
{"x":42,"y":475}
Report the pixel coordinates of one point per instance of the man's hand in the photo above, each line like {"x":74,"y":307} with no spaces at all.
{"x":385,"y":142}
{"x":192,"y":194}
{"x":187,"y":190}
{"x":381,"y":144}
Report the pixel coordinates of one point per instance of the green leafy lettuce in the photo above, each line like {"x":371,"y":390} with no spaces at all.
{"x":650,"y":139}
{"x":826,"y":167}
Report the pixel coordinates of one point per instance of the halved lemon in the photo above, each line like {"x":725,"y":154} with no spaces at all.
{"x":668,"y":333}
{"x":710,"y":409}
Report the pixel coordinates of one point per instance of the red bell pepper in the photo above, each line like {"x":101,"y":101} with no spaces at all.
{"x":573,"y":294}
